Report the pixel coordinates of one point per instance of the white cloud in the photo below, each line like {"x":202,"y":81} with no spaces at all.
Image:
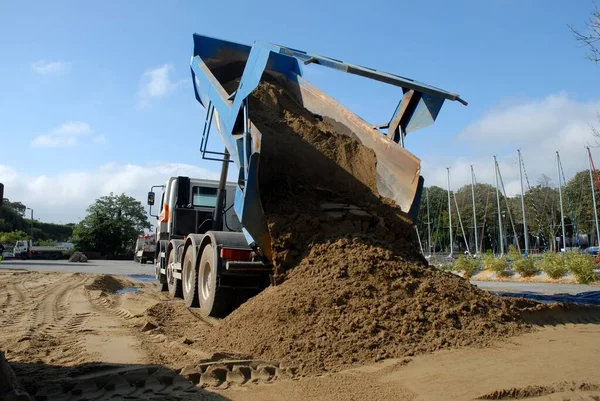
{"x":538,"y":127}
{"x":65,"y":197}
{"x":68,"y":135}
{"x":44,"y":67}
{"x":156,"y":83}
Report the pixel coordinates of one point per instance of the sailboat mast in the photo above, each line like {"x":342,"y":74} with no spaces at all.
{"x":428,"y":223}
{"x":523,"y":205}
{"x":474,"y":213}
{"x":450,"y":214}
{"x":593,"y":195}
{"x":500,"y":236}
{"x":562,"y":215}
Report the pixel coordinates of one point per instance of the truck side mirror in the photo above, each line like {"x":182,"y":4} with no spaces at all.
{"x":151,"y":198}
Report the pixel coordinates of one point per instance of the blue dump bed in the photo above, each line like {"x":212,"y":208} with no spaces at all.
{"x":216,"y":63}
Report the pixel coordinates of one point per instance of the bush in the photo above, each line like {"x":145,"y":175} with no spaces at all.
{"x":553,"y":265}
{"x":582,"y":266}
{"x":497,"y":265}
{"x":526,"y":267}
{"x":466,"y":265}
{"x":513,"y":253}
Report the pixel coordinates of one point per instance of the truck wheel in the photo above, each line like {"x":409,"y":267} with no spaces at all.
{"x":173,"y":284}
{"x":189,"y":276}
{"x":162,"y":281}
{"x":214,"y":301}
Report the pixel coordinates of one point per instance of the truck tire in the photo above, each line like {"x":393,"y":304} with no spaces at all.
{"x":214,"y":301}
{"x":189,"y":276}
{"x":173,"y":284}
{"x":162,"y":286}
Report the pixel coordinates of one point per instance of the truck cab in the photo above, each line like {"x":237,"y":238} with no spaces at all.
{"x":21,"y":249}
{"x":201,"y":252}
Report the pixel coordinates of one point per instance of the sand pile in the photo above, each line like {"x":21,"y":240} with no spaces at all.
{"x":107,"y":283}
{"x":355,"y":287}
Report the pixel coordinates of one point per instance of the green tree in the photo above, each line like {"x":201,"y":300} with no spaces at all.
{"x":12,"y":216}
{"x":111,"y":225}
{"x":580,"y":196}
{"x":10,"y":238}
{"x":542,"y":211}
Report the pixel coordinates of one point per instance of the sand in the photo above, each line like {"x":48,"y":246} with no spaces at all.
{"x":67,"y":342}
{"x":357,"y":313}
{"x":354,"y":287}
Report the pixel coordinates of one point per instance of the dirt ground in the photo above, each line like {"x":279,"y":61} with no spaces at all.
{"x":83,"y":336}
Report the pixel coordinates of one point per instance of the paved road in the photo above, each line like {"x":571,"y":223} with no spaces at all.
{"x":118,"y":267}
{"x":541,"y":288}
{"x":128,"y":268}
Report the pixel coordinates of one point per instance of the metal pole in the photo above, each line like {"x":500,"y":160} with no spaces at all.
{"x":562,"y":216}
{"x":593,"y":196}
{"x":31,"y":229}
{"x":500,"y":237}
{"x":450,"y":215}
{"x":461,"y":226}
{"x":217,"y":223}
{"x":428,"y":223}
{"x":523,"y":205}
{"x":419,"y":238}
{"x":474,"y":213}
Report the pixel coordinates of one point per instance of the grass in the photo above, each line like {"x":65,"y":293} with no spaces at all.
{"x":466,"y":265}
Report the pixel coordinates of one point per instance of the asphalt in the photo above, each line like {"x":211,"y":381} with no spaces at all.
{"x":544,"y":292}
{"x":116,"y":267}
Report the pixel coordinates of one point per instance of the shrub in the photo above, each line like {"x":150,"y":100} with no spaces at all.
{"x":466,"y":265}
{"x":526,"y":267}
{"x":497,"y":265}
{"x":513,"y":253}
{"x":582,"y":266}
{"x":447,"y":268}
{"x":553,"y":265}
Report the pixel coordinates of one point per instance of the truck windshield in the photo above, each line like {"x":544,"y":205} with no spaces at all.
{"x":204,"y":197}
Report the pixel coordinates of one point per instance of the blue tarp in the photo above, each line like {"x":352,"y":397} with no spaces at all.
{"x":583,"y":298}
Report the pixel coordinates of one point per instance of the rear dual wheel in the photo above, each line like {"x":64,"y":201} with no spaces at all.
{"x":189,"y":275}
{"x":214,"y":301}
{"x":173,"y":284}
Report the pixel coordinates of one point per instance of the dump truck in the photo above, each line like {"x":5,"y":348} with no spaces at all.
{"x":205,"y":260}
{"x":145,"y":249}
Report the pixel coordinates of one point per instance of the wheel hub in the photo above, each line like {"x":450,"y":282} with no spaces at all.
{"x":187,"y":282}
{"x":206,"y":279}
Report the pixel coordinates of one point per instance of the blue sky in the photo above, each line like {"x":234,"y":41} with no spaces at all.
{"x":97,"y":96}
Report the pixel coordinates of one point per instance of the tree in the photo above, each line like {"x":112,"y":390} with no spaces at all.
{"x":111,"y":225}
{"x":580,"y":196}
{"x":542,"y":212}
{"x":13,"y":220}
{"x":10,"y":238}
{"x":591,"y":38}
